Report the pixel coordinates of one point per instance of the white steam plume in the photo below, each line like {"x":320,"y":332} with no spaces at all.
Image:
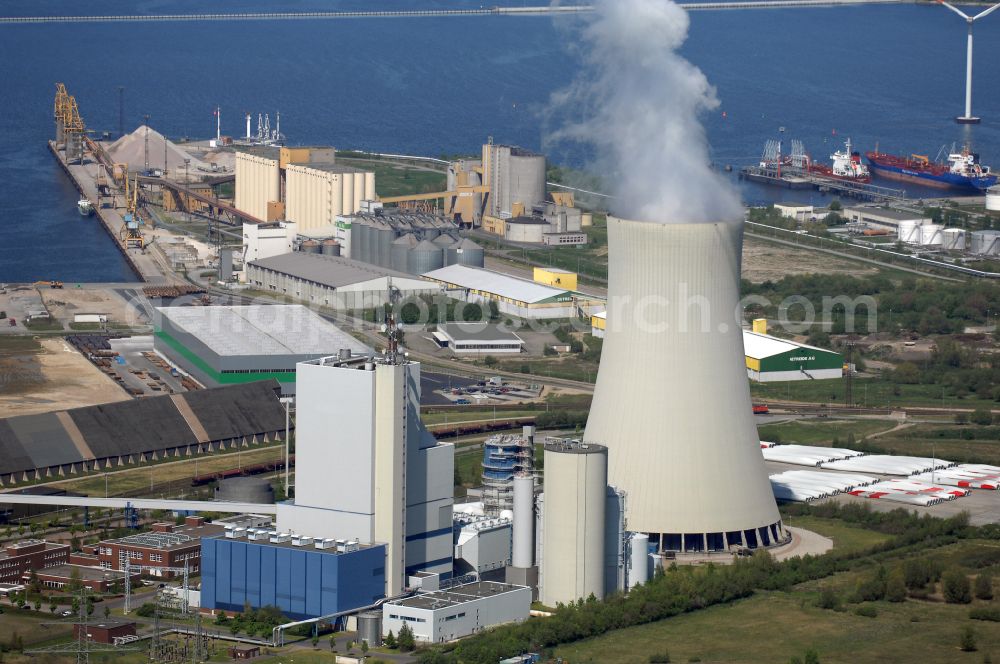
{"x":637,"y":102}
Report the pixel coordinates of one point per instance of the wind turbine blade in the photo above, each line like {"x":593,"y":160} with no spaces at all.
{"x":955,"y":9}
{"x":984,"y":13}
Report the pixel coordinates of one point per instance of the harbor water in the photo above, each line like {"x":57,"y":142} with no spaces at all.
{"x":886,"y":75}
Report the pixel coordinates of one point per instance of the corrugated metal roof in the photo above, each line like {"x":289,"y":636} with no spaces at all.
{"x":289,"y":329}
{"x":503,"y":285}
{"x":477,"y":332}
{"x":330,"y":271}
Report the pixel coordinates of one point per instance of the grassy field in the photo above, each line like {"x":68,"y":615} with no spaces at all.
{"x":395,"y":180}
{"x":821,"y":431}
{"x":773,"y":627}
{"x":27,"y":625}
{"x":19,"y":344}
{"x":871,"y":392}
{"x":845,"y":537}
{"x":133,"y":479}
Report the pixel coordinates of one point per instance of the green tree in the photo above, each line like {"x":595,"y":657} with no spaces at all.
{"x":812,"y":657}
{"x":895,"y":586}
{"x":660,"y":658}
{"x":956,"y":588}
{"x":364,"y":646}
{"x":981,"y":416}
{"x":494,"y":310}
{"x":968,"y":640}
{"x":333,"y":642}
{"x":107,"y":612}
{"x":961,"y":418}
{"x":38,"y":605}
{"x":405,"y":639}
{"x":390,"y":640}
{"x":52,"y":605}
{"x":315,"y":640}
{"x":984,"y":586}
{"x":828,"y":598}
{"x":490,"y":361}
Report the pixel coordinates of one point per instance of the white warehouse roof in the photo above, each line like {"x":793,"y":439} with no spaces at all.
{"x":759,"y":346}
{"x":290,"y":329}
{"x":486,"y":281}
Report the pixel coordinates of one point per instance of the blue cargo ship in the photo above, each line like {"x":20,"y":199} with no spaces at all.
{"x":961,"y":171}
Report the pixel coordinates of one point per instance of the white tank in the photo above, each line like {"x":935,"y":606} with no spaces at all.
{"x":930,"y":234}
{"x":638,"y":566}
{"x":985,"y":243}
{"x":953,"y":239}
{"x":672,"y":402}
{"x":909,"y":232}
{"x":993,"y":198}
{"x":523,"y":534}
{"x":576,"y":481}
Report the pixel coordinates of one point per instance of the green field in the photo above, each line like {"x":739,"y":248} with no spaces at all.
{"x":396,"y":180}
{"x":772,"y":628}
{"x":870,"y":392}
{"x":845,"y":536}
{"x":821,"y":431}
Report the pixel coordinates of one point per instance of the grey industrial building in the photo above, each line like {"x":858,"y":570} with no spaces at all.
{"x":236,"y":344}
{"x":332,"y":281}
{"x":413,"y":243}
{"x":477,"y":338}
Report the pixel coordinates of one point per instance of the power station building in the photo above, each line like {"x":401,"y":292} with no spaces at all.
{"x":685,"y":453}
{"x":223,"y":345}
{"x":395,"y":484}
{"x":301,"y":576}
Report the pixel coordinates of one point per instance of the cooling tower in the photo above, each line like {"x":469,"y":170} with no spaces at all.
{"x":672,"y":403}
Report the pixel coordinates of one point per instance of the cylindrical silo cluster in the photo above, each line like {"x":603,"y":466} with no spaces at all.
{"x":414,"y":243}
{"x":685,"y":452}
{"x":576,"y":482}
{"x":985,"y":243}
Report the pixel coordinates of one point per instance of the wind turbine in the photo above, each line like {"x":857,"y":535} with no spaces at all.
{"x":968,"y":118}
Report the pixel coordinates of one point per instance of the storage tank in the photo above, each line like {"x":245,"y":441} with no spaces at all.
{"x":424,"y":257}
{"x":993,"y":198}
{"x":985,"y":243}
{"x":330,"y":248}
{"x":685,"y":452}
{"x":445,"y":240}
{"x":359,"y":239}
{"x":953,"y":239}
{"x":310,"y":247}
{"x":638,"y":566}
{"x":523,"y":532}
{"x":466,"y":252}
{"x":576,"y":482}
{"x":909,"y":232}
{"x":527,"y":177}
{"x":370,"y":628}
{"x":382,"y":252}
{"x":245,"y":490}
{"x":400,"y":252}
{"x":930,"y":235}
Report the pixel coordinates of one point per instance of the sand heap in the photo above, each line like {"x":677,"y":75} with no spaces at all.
{"x":131,"y":149}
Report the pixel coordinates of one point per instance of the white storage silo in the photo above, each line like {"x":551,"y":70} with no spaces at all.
{"x":672,"y":403}
{"x":523,"y":533}
{"x":953,"y":239}
{"x":576,"y":481}
{"x":638,"y":565}
{"x":993,"y":198}
{"x":930,"y":235}
{"x":909,"y":231}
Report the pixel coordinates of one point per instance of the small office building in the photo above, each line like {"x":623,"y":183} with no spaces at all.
{"x":477,"y":338}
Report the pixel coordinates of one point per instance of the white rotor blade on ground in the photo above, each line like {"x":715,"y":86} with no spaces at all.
{"x":985,"y":12}
{"x":957,"y":10}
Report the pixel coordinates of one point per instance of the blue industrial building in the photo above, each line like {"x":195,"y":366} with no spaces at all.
{"x":300,"y":579}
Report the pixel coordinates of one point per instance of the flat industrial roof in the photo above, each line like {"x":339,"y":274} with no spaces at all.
{"x":456,"y":595}
{"x":83,"y":572}
{"x":278,"y":329}
{"x":475,"y":278}
{"x":759,"y":346}
{"x":329,"y":271}
{"x":894,"y":215}
{"x":477,"y":332}
{"x":328,"y":167}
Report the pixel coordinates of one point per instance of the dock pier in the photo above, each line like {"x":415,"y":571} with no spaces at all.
{"x":84,"y":178}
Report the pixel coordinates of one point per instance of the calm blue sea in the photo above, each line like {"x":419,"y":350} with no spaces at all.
{"x":887,"y":74}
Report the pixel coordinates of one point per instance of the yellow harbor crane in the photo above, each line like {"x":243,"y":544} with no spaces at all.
{"x":131,"y":233}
